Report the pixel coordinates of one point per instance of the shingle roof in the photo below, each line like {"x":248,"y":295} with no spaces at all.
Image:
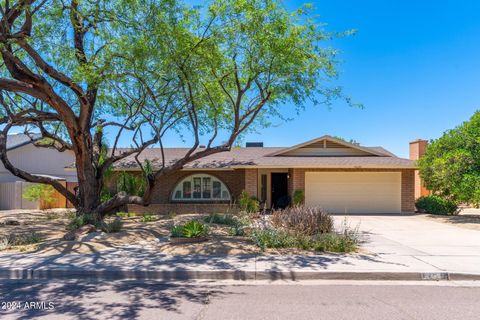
{"x":260,"y":157}
{"x":20,"y":139}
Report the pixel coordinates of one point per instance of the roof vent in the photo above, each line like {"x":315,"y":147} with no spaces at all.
{"x":254,"y":145}
{"x":202,"y":146}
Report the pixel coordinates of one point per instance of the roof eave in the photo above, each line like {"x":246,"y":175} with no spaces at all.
{"x":333,"y":139}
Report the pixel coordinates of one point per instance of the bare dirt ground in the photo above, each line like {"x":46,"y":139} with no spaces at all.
{"x":50,"y":224}
{"x":468,"y":218}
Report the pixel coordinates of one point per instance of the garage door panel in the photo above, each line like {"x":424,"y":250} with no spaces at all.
{"x":354,"y":192}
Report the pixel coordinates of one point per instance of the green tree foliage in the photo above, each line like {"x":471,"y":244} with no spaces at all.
{"x":451,"y":164}
{"x":42,"y":192}
{"x":76,"y":70}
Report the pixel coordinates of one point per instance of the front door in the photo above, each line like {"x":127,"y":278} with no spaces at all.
{"x":280,"y":197}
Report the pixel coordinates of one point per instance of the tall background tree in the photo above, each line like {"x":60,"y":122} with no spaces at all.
{"x":75,"y":70}
{"x":451,"y":164}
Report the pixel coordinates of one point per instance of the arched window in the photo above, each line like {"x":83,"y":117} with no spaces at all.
{"x":200,"y":187}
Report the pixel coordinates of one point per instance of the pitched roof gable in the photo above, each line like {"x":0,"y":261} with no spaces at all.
{"x":328,"y":146}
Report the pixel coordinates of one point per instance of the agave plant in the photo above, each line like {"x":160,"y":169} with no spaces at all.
{"x":191,"y":229}
{"x":176,"y":231}
{"x":194,"y":229}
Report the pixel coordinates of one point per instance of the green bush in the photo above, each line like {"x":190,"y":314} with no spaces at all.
{"x":191,"y":229}
{"x":248,"y":203}
{"x":147,"y":217}
{"x":216,"y":218}
{"x":176,"y":231}
{"x":79,"y":221}
{"x":298,"y":197}
{"x":105,"y":195}
{"x":194,"y":229}
{"x":237,"y":224}
{"x":28,"y":238}
{"x":331,"y":242}
{"x":123,"y":214}
{"x":131,"y":184}
{"x":38,"y":191}
{"x":436,"y":205}
{"x":272,"y":238}
{"x":303,"y":220}
{"x":19,"y":240}
{"x":237,"y":230}
{"x":113,"y":226}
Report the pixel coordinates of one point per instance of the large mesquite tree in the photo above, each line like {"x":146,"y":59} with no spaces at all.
{"x":74,"y":70}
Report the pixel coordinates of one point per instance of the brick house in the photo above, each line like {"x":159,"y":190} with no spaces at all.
{"x":339,"y":176}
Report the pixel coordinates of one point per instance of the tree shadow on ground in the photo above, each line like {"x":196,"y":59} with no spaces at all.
{"x":458,"y":219}
{"x":108,"y":299}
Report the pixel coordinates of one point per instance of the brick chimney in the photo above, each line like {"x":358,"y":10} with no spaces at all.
{"x":417,"y":150}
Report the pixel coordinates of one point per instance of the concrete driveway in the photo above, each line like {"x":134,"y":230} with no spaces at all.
{"x":418,"y":239}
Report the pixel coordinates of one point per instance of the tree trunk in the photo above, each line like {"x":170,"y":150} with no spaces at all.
{"x":89,"y":182}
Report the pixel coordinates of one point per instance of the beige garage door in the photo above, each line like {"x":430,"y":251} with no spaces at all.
{"x":354,"y":192}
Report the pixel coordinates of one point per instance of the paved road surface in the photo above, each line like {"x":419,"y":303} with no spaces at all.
{"x":318,"y":300}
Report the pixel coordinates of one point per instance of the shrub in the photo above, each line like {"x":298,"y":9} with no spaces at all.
{"x":191,"y":229}
{"x":105,"y":195}
{"x":112,"y":227}
{"x":79,"y":221}
{"x":28,"y":238}
{"x":19,"y":240}
{"x":176,"y":231}
{"x":216,"y":218}
{"x":272,"y":238}
{"x":147,"y":217}
{"x":237,"y":224}
{"x":436,"y":205}
{"x":122,"y":214}
{"x":303,"y":220}
{"x":247,"y":203}
{"x":194,"y":229}
{"x":332,"y":242}
{"x":131,"y":184}
{"x":237,"y":230}
{"x":171,"y":215}
{"x":42,"y":192}
{"x":298,"y":197}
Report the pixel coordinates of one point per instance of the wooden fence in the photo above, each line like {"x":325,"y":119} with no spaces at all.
{"x":11,"y":197}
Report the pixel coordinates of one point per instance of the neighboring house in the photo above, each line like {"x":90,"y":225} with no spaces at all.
{"x":339,"y":176}
{"x":23,"y":154}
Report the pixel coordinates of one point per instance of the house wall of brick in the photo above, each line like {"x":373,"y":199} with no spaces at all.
{"x":297,"y":182}
{"x":247,"y":179}
{"x":161,"y":195}
{"x":233,"y":179}
{"x":417,"y":150}
{"x":183,"y":208}
{"x":251,"y":182}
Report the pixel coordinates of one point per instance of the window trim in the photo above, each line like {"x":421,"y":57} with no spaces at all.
{"x":179,"y":187}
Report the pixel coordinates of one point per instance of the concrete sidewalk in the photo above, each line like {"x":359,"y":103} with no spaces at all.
{"x":393,"y":248}
{"x":139,"y":263}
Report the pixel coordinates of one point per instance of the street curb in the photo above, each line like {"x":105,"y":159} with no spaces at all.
{"x":184,"y":274}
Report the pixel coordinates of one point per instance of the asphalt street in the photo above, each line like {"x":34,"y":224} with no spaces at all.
{"x":33,"y":299}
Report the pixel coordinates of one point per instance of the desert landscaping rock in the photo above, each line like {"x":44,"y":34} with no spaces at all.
{"x":10,"y":222}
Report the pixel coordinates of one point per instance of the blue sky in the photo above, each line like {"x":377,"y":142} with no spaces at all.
{"x":415,"y":65}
